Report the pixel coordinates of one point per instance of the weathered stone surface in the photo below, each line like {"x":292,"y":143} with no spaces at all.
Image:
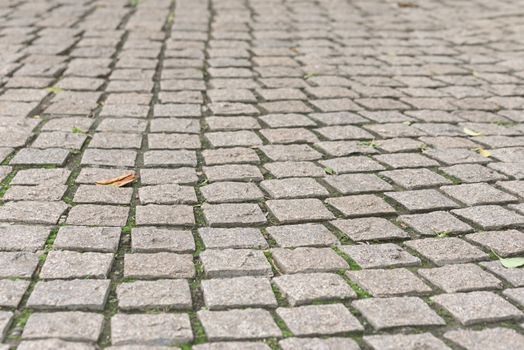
{"x":157,"y":329}
{"x":235,"y":262}
{"x":369,"y":256}
{"x":172,"y":215}
{"x":68,"y":264}
{"x":443,"y":251}
{"x":333,"y":343}
{"x":306,"y":259}
{"x":144,"y":295}
{"x":503,"y":243}
{"x":489,"y":338}
{"x":369,"y":229}
{"x":238,"y":324}
{"x":23,"y":237}
{"x":47,"y":213}
{"x":83,"y":238}
{"x":11,"y":292}
{"x":405,"y":342}
{"x":17,"y":264}
{"x":233,"y":214}
{"x":158,"y":265}
{"x":460,"y":278}
{"x":70,"y":326}
{"x":290,"y":236}
{"x":298,"y":210}
{"x":389,"y":282}
{"x":51,"y":344}
{"x":243,"y":238}
{"x":152,"y":239}
{"x":93,"y":215}
{"x":247,"y":291}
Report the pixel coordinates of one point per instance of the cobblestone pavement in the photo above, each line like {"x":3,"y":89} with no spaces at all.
{"x":322,"y":175}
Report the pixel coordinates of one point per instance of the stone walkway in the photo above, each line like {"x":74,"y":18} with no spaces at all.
{"x":310,"y":175}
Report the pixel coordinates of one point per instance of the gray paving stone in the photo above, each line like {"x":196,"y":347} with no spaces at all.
{"x":490,"y":217}
{"x":238,"y":324}
{"x":240,"y":238}
{"x":385,"y":313}
{"x":230,"y":155}
{"x":233,"y":214}
{"x":240,"y":172}
{"x":293,"y":188}
{"x":179,"y":158}
{"x":319,"y":320}
{"x":358,"y":183}
{"x":306,"y":288}
{"x":406,"y":160}
{"x":5,"y":320}
{"x":361,"y":205}
{"x":471,"y":173}
{"x":318,"y":343}
{"x":152,"y":239}
{"x":69,"y":295}
{"x":353,"y":164}
{"x":224,"y":192}
{"x":460,"y":278}
{"x":515,"y":294}
{"x":503,"y":243}
{"x":499,"y":338}
{"x":157,"y":329}
{"x":412,"y":179}
{"x":405,"y":342}
{"x":478,"y":194}
{"x":290,"y":236}
{"x":35,"y":193}
{"x":11,"y":292}
{"x":234,"y":263}
{"x":17,"y":264}
{"x":167,"y":194}
{"x":114,"y":158}
{"x":30,"y":212}
{"x":158,"y":265}
{"x":159,"y":294}
{"x":246,"y":291}
{"x":33,"y":156}
{"x":419,"y":200}
{"x":306,"y":260}
{"x":69,"y":325}
{"x":389,"y":282}
{"x":282,"y":153}
{"x":477,"y":307}
{"x":238,"y":345}
{"x":69,"y":264}
{"x":93,"y":215}
{"x":434,"y":223}
{"x":172,"y":215}
{"x":83,"y":238}
{"x":103,"y":194}
{"x":369,"y":256}
{"x":51,"y":344}
{"x":298,"y":210}
{"x":441,"y":251}
{"x":23,"y":237}
{"x":369,"y":229}
{"x":515,"y":277}
{"x":182,"y":176}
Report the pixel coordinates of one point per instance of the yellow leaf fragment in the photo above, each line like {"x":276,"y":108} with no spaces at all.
{"x":470,"y":132}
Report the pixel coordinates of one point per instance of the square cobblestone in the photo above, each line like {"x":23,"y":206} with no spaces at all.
{"x":441,"y":251}
{"x":152,"y":239}
{"x":17,"y":264}
{"x":419,"y":200}
{"x":389,"y":282}
{"x":71,"y":325}
{"x":68,"y":264}
{"x":490,"y":338}
{"x":460,"y":278}
{"x":240,"y":238}
{"x":515,"y":277}
{"x":331,"y":343}
{"x":233,"y":214}
{"x":434,"y":223}
{"x":28,"y":238}
{"x":412,"y":179}
{"x":298,"y":210}
{"x":93,"y":215}
{"x":159,"y":294}
{"x":405,"y":342}
{"x":369,"y":256}
{"x":224,"y":192}
{"x":490,"y":217}
{"x":234,"y":263}
{"x":306,"y":260}
{"x":172,"y":215}
{"x":82,"y":238}
{"x":503,"y":243}
{"x":358,"y":183}
{"x":478,"y":307}
{"x":158,"y":265}
{"x":103,"y":195}
{"x":369,"y":229}
{"x":11,"y":293}
{"x":290,"y":236}
{"x":478,"y":194}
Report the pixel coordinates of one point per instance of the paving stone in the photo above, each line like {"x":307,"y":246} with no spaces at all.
{"x":477,"y":307}
{"x":385,"y":313}
{"x":238,"y":324}
{"x":352,"y":164}
{"x":406,"y":160}
{"x":441,"y":251}
{"x":240,"y":172}
{"x":293,"y":188}
{"x":405,"y":342}
{"x":460,"y":278}
{"x":290,"y":236}
{"x":157,"y":329}
{"x":224,"y":192}
{"x":68,"y":264}
{"x":333,"y":343}
{"x":144,"y":295}
{"x":11,"y":293}
{"x":358,"y":183}
{"x":306,"y":288}
{"x":294,"y":169}
{"x":182,"y":176}
{"x":23,"y":237}
{"x":286,"y":120}
{"x":503,"y":243}
{"x":515,"y":294}
{"x":233,"y":138}
{"x":515,"y":277}
{"x":229,"y":155}
{"x":434,"y":223}
{"x":233,"y":214}
{"x":490,"y":338}
{"x":59,"y":140}
{"x":238,"y":345}
{"x":83,"y":238}
{"x":369,"y":256}
{"x":306,"y":260}
{"x":389,"y":282}
{"x":30,"y":212}
{"x":478,"y":194}
{"x":471,"y":173}
{"x":35,"y":193}
{"x":490,"y":217}
{"x":17,"y":264}
{"x":158,"y":265}
{"x":70,"y":295}
{"x":418,"y":200}
{"x":173,"y":215}
{"x":50,"y":344}
{"x":92,"y":215}
{"x":33,"y":156}
{"x":5,"y":320}
{"x":361,"y":205}
{"x":234,"y":263}
{"x":179,"y":158}
{"x":246,"y":291}
{"x":412,"y":179}
{"x":240,"y":238}
{"x":118,"y":158}
{"x":167,"y":194}
{"x":282,"y":153}
{"x":369,"y":229}
{"x":69,"y":325}
{"x":103,"y":195}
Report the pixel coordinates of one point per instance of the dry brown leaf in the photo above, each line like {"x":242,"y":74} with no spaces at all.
{"x":118,"y":181}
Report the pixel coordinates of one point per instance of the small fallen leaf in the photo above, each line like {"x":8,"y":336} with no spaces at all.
{"x":55,"y":89}
{"x":118,"y":181}
{"x":329,"y":171}
{"x":407,"y":122}
{"x":78,"y":130}
{"x":443,"y":234}
{"x":370,"y":143}
{"x":470,"y":132}
{"x":309,"y":76}
{"x":484,"y":152}
{"x":512,"y":263}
